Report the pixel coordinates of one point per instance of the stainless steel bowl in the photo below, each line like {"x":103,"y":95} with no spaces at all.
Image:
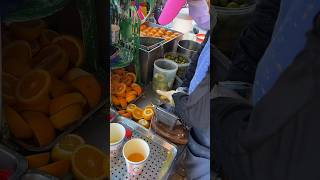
{"x":188,"y":47}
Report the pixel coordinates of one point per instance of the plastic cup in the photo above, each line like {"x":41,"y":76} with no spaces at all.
{"x":135,"y":146}
{"x":164,"y":73}
{"x":117,"y":135}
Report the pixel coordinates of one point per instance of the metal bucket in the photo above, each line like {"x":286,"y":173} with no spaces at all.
{"x":188,"y":47}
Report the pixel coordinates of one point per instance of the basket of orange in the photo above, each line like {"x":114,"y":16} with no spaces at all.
{"x":45,"y":92}
{"x":124,"y":88}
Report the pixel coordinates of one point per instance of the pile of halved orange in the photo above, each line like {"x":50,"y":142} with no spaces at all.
{"x":124,"y":88}
{"x":58,"y":161}
{"x":141,"y":116}
{"x":44,"y":90}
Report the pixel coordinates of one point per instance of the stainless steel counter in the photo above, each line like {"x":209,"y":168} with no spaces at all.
{"x":151,"y":97}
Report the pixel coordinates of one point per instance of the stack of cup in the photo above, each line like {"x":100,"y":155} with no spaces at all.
{"x":117,"y":135}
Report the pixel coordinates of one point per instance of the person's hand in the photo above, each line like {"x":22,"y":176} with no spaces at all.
{"x":167,"y":95}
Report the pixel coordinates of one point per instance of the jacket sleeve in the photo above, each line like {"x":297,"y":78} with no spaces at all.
{"x":254,"y":41}
{"x":194,"y":109}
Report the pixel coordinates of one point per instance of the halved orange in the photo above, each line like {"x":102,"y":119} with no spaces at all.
{"x":53,"y":59}
{"x":137,"y":113}
{"x":18,"y":50}
{"x":131,"y":107}
{"x":17,"y":125}
{"x":90,"y":88}
{"x":16,"y":67}
{"x":88,"y":162}
{"x":115,"y":78}
{"x":9,"y":84}
{"x":123,"y":102}
{"x":58,"y":168}
{"x":29,"y":30}
{"x":60,"y":88}
{"x":73,"y":47}
{"x":131,"y":76}
{"x":66,"y":116}
{"x":115,"y":100}
{"x":34,"y":87}
{"x":136,"y":88}
{"x":144,"y":123}
{"x":59,"y":103}
{"x":120,"y":88}
{"x":40,"y":106}
{"x":130,"y":97}
{"x":125,"y":113}
{"x":41,"y":126}
{"x":65,"y":147}
{"x":74,"y":73}
{"x":148,"y":114}
{"x":47,"y":36}
{"x":38,"y":160}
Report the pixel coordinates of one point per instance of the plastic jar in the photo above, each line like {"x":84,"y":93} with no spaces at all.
{"x":164,"y":73}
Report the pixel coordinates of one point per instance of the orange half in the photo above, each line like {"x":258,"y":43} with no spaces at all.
{"x":74,"y":48}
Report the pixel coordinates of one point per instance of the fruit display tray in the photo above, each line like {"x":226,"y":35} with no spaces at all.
{"x":162,"y":154}
{"x":70,"y":129}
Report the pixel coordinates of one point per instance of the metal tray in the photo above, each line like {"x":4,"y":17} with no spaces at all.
{"x":12,"y":160}
{"x":169,"y":46}
{"x":73,"y":127}
{"x":158,"y":164}
{"x":115,"y":113}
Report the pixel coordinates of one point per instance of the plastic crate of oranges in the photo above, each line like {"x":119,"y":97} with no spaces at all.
{"x":157,"y":32}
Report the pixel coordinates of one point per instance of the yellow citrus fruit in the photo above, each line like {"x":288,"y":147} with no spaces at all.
{"x":29,"y":30}
{"x":53,"y":59}
{"x":60,"y":88}
{"x":74,"y":73}
{"x":65,"y":147}
{"x":137,"y":114}
{"x":74,"y":48}
{"x":38,"y":160}
{"x":88,"y":162}
{"x":59,"y":103}
{"x":90,"y":88}
{"x":41,"y":126}
{"x":17,"y":125}
{"x":66,"y":116}
{"x":131,"y":107}
{"x":34,"y":87}
{"x":58,"y":168}
{"x":148,"y":114}
{"x":9,"y":84}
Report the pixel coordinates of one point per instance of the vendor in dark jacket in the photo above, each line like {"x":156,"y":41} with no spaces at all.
{"x":192,"y":102}
{"x":272,"y":135}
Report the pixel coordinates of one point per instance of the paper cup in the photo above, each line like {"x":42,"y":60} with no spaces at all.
{"x":131,"y":147}
{"x":117,"y":134}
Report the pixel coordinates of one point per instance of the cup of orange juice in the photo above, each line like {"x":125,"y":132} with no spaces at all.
{"x":117,"y":135}
{"x":136,"y":152}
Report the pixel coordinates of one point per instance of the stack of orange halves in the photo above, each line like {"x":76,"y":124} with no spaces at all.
{"x":44,"y":89}
{"x":124,"y":88}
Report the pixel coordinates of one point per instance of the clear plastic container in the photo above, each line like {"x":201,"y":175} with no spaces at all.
{"x":164,"y":73}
